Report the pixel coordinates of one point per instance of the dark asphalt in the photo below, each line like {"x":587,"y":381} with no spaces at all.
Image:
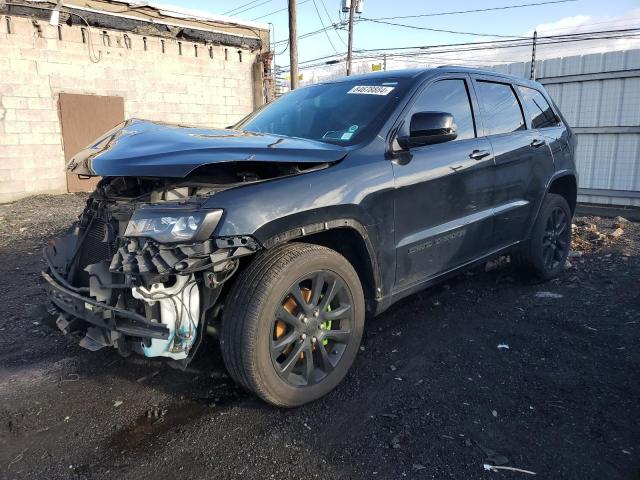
{"x":431,"y":395}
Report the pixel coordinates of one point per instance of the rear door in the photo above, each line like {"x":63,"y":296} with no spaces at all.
{"x":522,"y":158}
{"x":443,"y":202}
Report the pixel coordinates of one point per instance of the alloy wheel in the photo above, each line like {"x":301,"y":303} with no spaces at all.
{"x":311,"y":328}
{"x":555,"y":242}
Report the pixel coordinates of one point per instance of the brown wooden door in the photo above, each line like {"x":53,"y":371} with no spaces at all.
{"x":84,"y":118}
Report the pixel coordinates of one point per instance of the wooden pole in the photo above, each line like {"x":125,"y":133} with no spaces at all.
{"x":350,"y":49}
{"x":532,"y":76}
{"x":293,"y":44}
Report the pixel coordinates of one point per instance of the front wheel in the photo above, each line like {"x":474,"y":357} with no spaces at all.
{"x":292,"y":323}
{"x":546,"y":252}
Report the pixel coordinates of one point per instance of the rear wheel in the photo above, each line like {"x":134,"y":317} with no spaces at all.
{"x":546,"y":252}
{"x":292,"y":323}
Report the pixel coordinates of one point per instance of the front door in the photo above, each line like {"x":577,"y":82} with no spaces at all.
{"x":443,"y":192}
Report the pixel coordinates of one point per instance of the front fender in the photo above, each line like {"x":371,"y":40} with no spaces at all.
{"x":354,"y":188}
{"x":356,"y":193}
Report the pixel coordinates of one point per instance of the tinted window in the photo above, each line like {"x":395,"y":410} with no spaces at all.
{"x":449,"y":96}
{"x":540,"y":113}
{"x":338,"y":112}
{"x":500,"y":108}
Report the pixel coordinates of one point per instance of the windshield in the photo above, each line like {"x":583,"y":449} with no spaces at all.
{"x":342,"y":113}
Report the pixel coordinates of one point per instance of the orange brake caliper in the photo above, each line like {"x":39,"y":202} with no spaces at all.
{"x":290,"y":306}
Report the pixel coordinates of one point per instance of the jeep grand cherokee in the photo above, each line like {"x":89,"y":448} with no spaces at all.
{"x":277,"y":237}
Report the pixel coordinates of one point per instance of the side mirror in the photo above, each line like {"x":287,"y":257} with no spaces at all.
{"x":428,"y":128}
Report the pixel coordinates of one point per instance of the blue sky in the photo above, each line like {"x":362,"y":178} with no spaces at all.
{"x":564,"y":18}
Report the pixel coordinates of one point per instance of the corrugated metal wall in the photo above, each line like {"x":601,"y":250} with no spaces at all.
{"x":599,"y":94}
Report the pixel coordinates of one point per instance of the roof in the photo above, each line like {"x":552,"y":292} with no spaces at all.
{"x":482,"y":71}
{"x":421,"y":72}
{"x":405,"y":73}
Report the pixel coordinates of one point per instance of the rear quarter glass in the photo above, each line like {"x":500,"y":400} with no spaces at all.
{"x":539,"y":111}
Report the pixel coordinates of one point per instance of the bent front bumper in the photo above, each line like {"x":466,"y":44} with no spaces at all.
{"x":136,"y":294}
{"x":102,"y":315}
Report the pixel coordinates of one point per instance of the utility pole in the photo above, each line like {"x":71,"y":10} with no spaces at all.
{"x":293,"y":44}
{"x":352,"y":9}
{"x":532,"y":76}
{"x":384,"y":63}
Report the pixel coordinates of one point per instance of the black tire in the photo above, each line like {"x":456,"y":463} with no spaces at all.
{"x":248,"y":340}
{"x":545,"y":253}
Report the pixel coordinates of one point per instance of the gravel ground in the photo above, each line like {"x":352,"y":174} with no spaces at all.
{"x":489,"y":368}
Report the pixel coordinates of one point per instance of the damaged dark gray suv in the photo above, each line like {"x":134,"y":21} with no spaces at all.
{"x":277,"y":237}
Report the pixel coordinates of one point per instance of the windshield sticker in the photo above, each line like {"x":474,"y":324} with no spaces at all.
{"x":352,"y":128}
{"x":370,"y":90}
{"x":346,"y":136}
{"x":332,"y":135}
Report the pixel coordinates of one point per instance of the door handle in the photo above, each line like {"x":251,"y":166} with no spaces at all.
{"x":538,"y":143}
{"x":479,"y":154}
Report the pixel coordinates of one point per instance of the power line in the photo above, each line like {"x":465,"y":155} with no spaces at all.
{"x":277,"y":11}
{"x":315,"y":32}
{"x":499,"y":47}
{"x":308,"y":34}
{"x":432,"y":57}
{"x":493,"y":45}
{"x":476,"y":10}
{"x":286,"y":47}
{"x":519,"y":45}
{"x":439,"y":30}
{"x":324,"y":6}
{"x":491,"y":42}
{"x":240,"y":7}
{"x":323,"y":27}
{"x":488,"y":45}
{"x":456,"y":12}
{"x":251,"y":8}
{"x":487,"y":42}
{"x":515,"y":45}
{"x":381,"y":21}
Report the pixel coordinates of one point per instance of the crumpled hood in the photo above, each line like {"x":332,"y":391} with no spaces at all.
{"x":153,"y":149}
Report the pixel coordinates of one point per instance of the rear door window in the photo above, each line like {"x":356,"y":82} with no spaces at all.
{"x":500,"y":108}
{"x":538,"y":109}
{"x":449,"y":96}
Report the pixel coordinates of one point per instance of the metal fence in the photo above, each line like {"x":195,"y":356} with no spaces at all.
{"x":599,"y":94}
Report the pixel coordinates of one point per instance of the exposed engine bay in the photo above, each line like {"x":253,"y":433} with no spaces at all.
{"x":140,"y":270}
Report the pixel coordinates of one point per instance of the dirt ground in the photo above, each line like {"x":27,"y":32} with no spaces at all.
{"x":489,"y":368}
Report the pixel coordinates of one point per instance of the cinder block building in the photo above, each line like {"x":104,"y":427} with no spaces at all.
{"x":63,"y":85}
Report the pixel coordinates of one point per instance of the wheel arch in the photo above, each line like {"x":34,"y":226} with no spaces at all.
{"x":349,"y":238}
{"x":563,"y":183}
{"x":566,"y":186}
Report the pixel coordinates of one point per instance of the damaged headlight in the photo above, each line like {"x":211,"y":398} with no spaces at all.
{"x":172,"y":225}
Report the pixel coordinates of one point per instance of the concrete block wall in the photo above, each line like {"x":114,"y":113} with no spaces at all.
{"x":36,"y":66}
